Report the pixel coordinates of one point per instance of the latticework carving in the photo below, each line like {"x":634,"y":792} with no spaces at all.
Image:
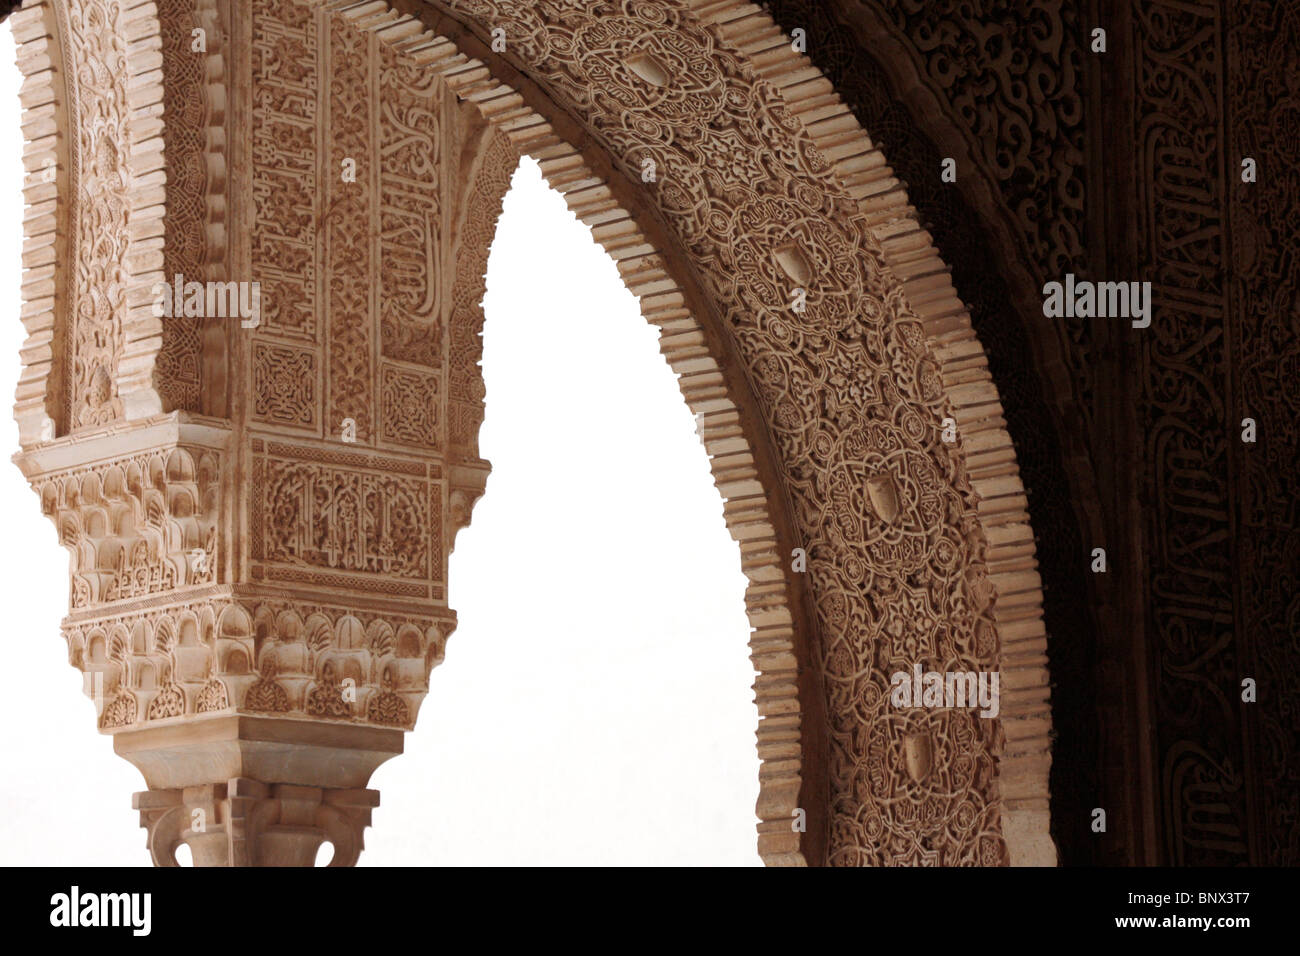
{"x":194,"y":244}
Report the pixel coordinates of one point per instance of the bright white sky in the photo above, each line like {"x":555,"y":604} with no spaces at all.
{"x":595,"y":704}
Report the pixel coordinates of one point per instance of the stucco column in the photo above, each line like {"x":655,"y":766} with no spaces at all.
{"x":251,"y":397}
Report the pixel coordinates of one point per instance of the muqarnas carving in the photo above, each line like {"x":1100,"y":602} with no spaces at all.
{"x":271,"y":658}
{"x":136,"y":527}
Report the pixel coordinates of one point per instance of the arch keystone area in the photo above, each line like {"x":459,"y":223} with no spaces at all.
{"x":260,"y":504}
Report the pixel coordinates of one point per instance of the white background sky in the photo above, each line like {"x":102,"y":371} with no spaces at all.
{"x":595,"y":702}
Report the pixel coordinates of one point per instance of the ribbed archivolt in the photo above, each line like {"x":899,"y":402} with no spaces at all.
{"x":45,"y":186}
{"x":910,"y":252}
{"x":146,"y":165}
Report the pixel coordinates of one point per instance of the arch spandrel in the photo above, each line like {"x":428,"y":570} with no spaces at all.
{"x":823,"y":422}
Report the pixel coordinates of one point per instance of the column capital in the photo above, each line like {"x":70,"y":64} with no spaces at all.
{"x":245,"y":822}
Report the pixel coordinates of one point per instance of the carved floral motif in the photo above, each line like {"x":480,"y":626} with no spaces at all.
{"x":101,"y":240}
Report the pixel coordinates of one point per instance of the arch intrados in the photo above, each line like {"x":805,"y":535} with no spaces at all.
{"x":588,"y":167}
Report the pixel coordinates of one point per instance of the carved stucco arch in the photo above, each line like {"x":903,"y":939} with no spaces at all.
{"x":1005,"y":98}
{"x":900,"y":247}
{"x":823,"y":425}
{"x":986,"y":130}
